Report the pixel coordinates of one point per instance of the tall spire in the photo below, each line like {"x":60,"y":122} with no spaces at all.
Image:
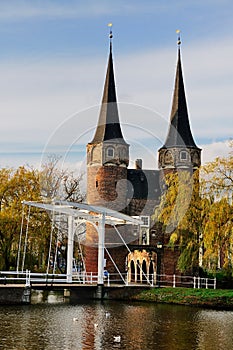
{"x":179,"y":134}
{"x":179,"y":149}
{"x":108,"y":127}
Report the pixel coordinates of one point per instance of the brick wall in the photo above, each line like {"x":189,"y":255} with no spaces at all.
{"x":107,"y":186}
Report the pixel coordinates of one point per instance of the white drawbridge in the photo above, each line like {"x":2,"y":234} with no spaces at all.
{"x":78,"y":213}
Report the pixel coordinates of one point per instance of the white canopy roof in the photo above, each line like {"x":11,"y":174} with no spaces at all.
{"x":86,"y":211}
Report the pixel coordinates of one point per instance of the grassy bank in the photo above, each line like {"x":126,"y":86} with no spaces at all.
{"x":215,"y":298}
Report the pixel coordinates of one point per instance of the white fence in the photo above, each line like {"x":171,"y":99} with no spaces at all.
{"x":165,"y":281}
{"x":186,"y":281}
{"x":29,"y":278}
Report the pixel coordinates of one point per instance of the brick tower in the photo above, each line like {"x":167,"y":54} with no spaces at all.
{"x":107,"y":162}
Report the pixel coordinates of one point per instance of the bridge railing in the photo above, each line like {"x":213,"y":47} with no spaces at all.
{"x":14,"y":277}
{"x":185,"y":281}
{"x":163,"y":280}
{"x":29,"y":278}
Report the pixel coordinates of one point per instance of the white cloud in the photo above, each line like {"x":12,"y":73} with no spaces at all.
{"x":37,"y":97}
{"x":41,"y":9}
{"x":208,"y":75}
{"x":23,"y":9}
{"x":216,"y":149}
{"x":77,"y":9}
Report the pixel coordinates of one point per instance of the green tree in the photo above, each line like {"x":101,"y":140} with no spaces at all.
{"x":180,"y":214}
{"x":218,"y":236}
{"x":218,"y":177}
{"x":9,"y":232}
{"x":217,"y":188}
{"x":34,"y":231}
{"x":197,"y":216}
{"x":16,"y":186}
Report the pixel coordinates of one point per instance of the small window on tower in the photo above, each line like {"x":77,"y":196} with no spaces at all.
{"x":145,"y":221}
{"x":168,"y":158}
{"x":110,"y":152}
{"x":183,"y":155}
{"x":97,"y":184}
{"x":123,"y":154}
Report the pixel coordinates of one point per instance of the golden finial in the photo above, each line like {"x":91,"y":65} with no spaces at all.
{"x":110,"y":33}
{"x":178,"y":38}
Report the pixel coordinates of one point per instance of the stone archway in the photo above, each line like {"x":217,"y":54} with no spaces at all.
{"x":144,"y":272}
{"x":138,"y":268}
{"x":132,"y":276}
{"x":141,"y":266}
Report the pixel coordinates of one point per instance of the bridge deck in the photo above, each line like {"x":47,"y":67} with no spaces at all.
{"x":60,"y":286}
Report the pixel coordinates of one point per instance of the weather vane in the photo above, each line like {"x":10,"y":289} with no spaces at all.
{"x":178,"y":39}
{"x":110,"y":33}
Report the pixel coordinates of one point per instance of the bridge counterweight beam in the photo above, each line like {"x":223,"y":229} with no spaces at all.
{"x":70,"y":248}
{"x":101,"y":232}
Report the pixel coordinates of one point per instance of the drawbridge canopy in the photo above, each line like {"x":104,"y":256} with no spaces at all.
{"x":90,"y":213}
{"x":87,"y":212}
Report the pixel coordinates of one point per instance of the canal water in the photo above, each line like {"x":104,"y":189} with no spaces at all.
{"x":114,"y":325}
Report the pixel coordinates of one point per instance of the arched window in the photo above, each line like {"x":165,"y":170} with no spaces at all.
{"x":132,"y":267}
{"x":151,"y":272}
{"x":138,"y":280}
{"x":168,"y":158}
{"x":110,"y":152}
{"x":195,"y":158}
{"x":123,"y":153}
{"x":144,"y":271}
{"x":183,"y":155}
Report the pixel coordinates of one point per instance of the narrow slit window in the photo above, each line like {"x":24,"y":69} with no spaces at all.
{"x":183,"y":155}
{"x":110,"y":152}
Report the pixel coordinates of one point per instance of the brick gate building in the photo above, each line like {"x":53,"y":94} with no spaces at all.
{"x":135,"y":192}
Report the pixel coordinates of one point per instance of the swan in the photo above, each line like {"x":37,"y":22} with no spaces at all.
{"x":117,"y":338}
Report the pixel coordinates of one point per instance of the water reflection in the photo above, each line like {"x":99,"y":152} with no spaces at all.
{"x":217,"y":326}
{"x":91,"y":326}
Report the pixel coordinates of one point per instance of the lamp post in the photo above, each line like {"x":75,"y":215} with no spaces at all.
{"x":159,"y":247}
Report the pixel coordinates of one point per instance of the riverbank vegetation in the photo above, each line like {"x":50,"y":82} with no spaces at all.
{"x":215,"y":298}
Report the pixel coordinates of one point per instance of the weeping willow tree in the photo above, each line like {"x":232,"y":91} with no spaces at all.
{"x":217,"y":190}
{"x":218,"y":236}
{"x":180,"y":214}
{"x":218,"y":177}
{"x":197,"y":216}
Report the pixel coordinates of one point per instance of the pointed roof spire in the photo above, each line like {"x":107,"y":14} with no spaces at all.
{"x":108,"y":127}
{"x":179,"y":134}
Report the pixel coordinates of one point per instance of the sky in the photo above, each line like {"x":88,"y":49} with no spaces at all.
{"x":53,"y":57}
